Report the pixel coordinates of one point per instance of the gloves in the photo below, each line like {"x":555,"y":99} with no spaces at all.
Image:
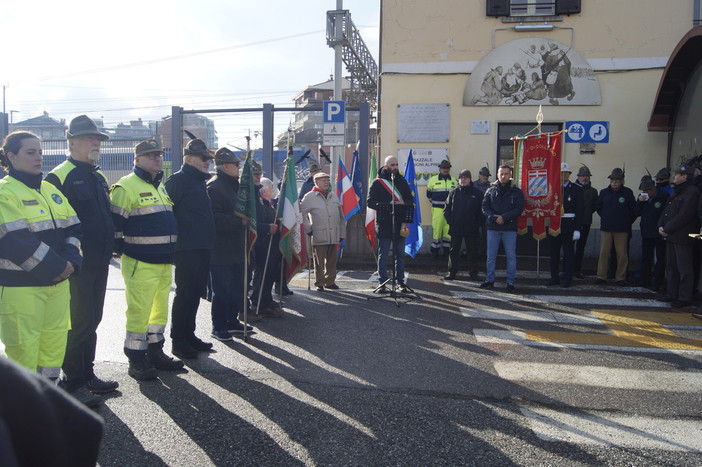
{"x":576,"y":235}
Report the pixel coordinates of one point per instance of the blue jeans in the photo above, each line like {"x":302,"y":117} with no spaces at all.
{"x":227,"y":294}
{"x":509,"y":241}
{"x":384,"y":252}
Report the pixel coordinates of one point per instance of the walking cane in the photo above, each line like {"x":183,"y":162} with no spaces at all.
{"x":309,"y":262}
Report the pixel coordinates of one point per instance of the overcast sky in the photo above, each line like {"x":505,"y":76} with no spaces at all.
{"x":129,"y":59}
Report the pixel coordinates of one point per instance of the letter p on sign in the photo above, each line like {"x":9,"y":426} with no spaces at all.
{"x":334,"y":111}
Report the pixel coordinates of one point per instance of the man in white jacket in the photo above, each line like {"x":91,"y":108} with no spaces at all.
{"x":324,"y":222}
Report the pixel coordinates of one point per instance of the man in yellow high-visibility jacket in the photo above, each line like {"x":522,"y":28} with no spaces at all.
{"x":438,"y":189}
{"x":146,"y":235}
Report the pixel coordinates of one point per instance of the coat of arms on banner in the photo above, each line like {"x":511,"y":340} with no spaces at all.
{"x":538,"y":161}
{"x":538,"y":183}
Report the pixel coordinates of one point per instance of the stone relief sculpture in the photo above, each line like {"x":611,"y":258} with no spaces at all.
{"x":532,"y":71}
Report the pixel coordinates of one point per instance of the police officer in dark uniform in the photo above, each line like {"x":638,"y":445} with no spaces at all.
{"x":571,"y":220}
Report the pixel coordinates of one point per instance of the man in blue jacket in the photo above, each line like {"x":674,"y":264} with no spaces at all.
{"x":503,"y":203}
{"x":615,"y":205}
{"x":196,"y":235}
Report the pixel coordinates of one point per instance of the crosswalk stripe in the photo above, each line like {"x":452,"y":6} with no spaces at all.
{"x":504,"y":337}
{"x":637,"y":319}
{"x":599,"y":376}
{"x":501,"y":314}
{"x":604,"y":428}
{"x":561,"y":299}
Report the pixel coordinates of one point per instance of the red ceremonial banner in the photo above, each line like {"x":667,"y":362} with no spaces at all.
{"x":538,"y":164}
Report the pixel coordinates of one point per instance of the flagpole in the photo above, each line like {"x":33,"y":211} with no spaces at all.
{"x":281,"y":193}
{"x":246,"y":259}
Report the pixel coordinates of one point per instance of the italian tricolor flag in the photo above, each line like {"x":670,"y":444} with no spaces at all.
{"x":290,"y":223}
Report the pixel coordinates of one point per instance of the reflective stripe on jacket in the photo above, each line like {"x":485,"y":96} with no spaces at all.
{"x":142,"y":212}
{"x":438,"y":188}
{"x":39,"y":232}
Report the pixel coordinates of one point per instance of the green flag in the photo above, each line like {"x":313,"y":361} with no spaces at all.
{"x":246,"y":202}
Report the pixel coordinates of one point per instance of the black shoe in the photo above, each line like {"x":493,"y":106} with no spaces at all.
{"x":333,"y":287}
{"x":579,"y":275}
{"x":160,"y":360}
{"x":474,"y":276}
{"x":182,"y":349}
{"x":287,"y":291}
{"x":382,"y":289}
{"x":222,"y":336}
{"x":402,"y":288}
{"x":599,"y":281}
{"x":86,"y":397}
{"x":200,"y":345}
{"x":510,"y":288}
{"x":238,"y":328}
{"x":320,"y":289}
{"x":553,"y":282}
{"x":449,"y":277}
{"x":622,"y":283}
{"x":141,"y":372}
{"x":487,"y":285}
{"x":680,"y":304}
{"x":99,"y":386}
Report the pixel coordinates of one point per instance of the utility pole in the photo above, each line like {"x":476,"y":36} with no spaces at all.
{"x":338,"y":81}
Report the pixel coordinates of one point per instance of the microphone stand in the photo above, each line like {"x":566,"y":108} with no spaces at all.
{"x":392,"y":279}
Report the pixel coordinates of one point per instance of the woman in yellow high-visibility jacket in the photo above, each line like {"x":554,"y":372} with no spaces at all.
{"x":39,"y":250}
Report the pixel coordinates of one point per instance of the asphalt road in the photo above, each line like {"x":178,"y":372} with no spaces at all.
{"x":589,"y":375}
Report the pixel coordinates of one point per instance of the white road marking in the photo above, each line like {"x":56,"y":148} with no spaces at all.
{"x":599,"y":376}
{"x":561,"y":299}
{"x":502,"y":337}
{"x":501,"y":314}
{"x":603,"y":428}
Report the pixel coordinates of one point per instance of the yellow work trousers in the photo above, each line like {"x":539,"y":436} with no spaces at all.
{"x":34,"y":324}
{"x":440,"y":230}
{"x":147,"y":288}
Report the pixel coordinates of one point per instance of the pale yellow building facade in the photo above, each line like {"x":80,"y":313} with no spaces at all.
{"x":617,"y":50}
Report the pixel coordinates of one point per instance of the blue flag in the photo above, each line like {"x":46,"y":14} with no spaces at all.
{"x":414,"y":240}
{"x":356,"y":181}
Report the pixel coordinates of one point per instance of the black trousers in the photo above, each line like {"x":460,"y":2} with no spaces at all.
{"x":192,"y":268}
{"x":580,"y":247}
{"x":472,"y":247}
{"x":679,"y":270}
{"x":87,"y":301}
{"x":649,"y":248}
{"x":564,"y":242}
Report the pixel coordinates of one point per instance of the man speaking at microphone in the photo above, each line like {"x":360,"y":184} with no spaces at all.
{"x":390,"y":187}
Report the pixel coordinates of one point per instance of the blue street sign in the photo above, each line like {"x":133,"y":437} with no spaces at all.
{"x":334,"y":111}
{"x":587,"y":132}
